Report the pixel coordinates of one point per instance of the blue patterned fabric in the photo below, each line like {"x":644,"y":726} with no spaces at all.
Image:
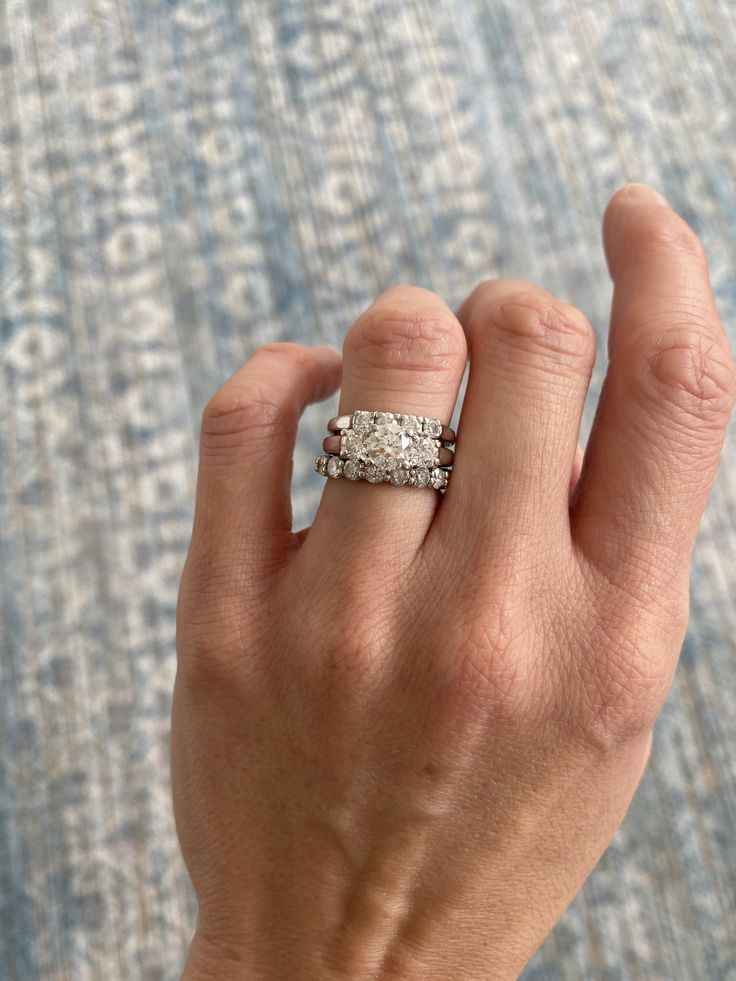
{"x":181,"y":181}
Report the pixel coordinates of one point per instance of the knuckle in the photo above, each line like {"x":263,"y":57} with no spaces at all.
{"x":691,"y":375}
{"x":231,"y":419}
{"x":210,"y":644}
{"x":208,"y":611}
{"x":224,"y":620}
{"x":347,"y":668}
{"x":487,"y":669}
{"x":220,"y":607}
{"x":264,"y":405}
{"x":284,"y":354}
{"x":347,"y":651}
{"x":623,"y":710}
{"x":407,"y":330}
{"x":540,"y":325}
{"x":628,"y":671}
{"x":210,"y":662}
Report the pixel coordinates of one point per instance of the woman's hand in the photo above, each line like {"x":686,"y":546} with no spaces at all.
{"x":402,"y":740}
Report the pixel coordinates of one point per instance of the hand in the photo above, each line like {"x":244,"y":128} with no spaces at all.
{"x":402,"y":739}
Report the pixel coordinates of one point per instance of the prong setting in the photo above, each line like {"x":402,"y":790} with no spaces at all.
{"x":398,"y":448}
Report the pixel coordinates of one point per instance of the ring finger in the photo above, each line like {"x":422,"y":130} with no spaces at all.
{"x":406,"y":353}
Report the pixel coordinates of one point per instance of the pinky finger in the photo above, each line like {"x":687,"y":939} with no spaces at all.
{"x":247,"y":442}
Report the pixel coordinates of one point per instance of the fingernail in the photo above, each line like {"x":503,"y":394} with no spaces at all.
{"x":643,"y":193}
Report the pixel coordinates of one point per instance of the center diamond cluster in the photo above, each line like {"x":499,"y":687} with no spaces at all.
{"x":388,"y":442}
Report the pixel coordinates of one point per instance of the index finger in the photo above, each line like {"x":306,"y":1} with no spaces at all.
{"x":666,"y":399}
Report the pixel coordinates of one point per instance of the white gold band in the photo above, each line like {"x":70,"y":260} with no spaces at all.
{"x":335,"y":467}
{"x":434,"y":454}
{"x":391,"y":447}
{"x":431,"y":427}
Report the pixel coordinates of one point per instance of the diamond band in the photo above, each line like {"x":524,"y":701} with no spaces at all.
{"x":389,"y":451}
{"x":396,"y":448}
{"x":430,"y":427}
{"x":334,"y":466}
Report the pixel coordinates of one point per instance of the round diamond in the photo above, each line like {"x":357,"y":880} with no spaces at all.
{"x":320,"y":465}
{"x":351,"y":444}
{"x":388,"y":443}
{"x":362,"y":421}
{"x":351,"y":470}
{"x":420,"y":477}
{"x":334,"y":466}
{"x":412,"y":455}
{"x":433,"y":427}
{"x":399,"y":477}
{"x":383,"y":450}
{"x":438,"y":478}
{"x":421,"y":452}
{"x":427,"y":449}
{"x":375,"y":476}
{"x":374,"y":449}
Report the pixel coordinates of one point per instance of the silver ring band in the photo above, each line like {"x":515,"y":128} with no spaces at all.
{"x":335,"y":445}
{"x":438,"y":430}
{"x":392,"y":447}
{"x":335,"y":467}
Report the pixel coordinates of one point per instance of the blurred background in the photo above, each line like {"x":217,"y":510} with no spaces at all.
{"x":182,"y":181}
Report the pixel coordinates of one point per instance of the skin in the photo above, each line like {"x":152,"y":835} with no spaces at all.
{"x":403,"y":738}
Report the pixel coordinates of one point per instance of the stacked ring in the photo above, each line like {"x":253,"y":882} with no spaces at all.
{"x":391,"y":447}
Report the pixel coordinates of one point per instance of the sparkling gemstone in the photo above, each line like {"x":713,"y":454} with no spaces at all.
{"x":388,"y":443}
{"x":351,"y":470}
{"x":334,"y":466}
{"x":439,"y":478}
{"x":320,"y":465}
{"x":433,"y":428}
{"x":399,"y":477}
{"x":421,"y":452}
{"x":375,"y":476}
{"x":384,"y":450}
{"x":412,"y":455}
{"x":409,"y":422}
{"x":351,"y":444}
{"x":362,"y":421}
{"x":427,"y":449}
{"x":420,"y":477}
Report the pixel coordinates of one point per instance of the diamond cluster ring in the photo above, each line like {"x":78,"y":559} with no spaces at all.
{"x":393,"y":447}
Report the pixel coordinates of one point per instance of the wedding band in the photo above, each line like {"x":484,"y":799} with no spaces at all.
{"x":387,"y":446}
{"x":433,"y":427}
{"x":440,"y":456}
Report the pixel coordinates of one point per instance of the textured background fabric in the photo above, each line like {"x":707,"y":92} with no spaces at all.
{"x":181,"y":181}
